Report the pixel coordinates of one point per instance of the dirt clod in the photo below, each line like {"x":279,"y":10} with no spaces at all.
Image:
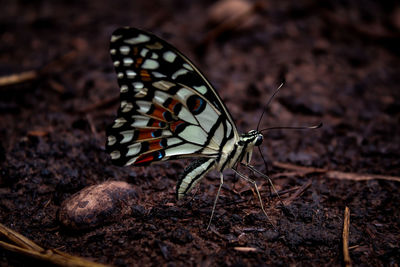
{"x":98,"y":205}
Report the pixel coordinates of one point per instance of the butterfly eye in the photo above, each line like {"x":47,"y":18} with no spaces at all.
{"x":259,"y":140}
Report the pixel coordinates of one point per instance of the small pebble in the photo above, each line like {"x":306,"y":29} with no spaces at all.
{"x":226,"y":9}
{"x":98,"y":204}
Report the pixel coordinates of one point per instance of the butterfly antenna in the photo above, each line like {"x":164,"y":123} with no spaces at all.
{"x":269,"y":101}
{"x":265,"y":162}
{"x":270,"y":184}
{"x":293,"y":127}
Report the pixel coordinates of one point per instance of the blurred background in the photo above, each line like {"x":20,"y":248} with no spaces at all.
{"x":339,"y":61}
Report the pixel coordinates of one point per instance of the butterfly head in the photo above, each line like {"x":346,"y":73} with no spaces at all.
{"x":247,"y":142}
{"x":252,"y":138}
{"x":259,"y":139}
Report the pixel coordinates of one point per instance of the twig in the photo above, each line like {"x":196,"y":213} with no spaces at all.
{"x":276,"y":176}
{"x":27,"y":247}
{"x":212,"y":228}
{"x":283,"y":192}
{"x":360,"y":176}
{"x":298,"y":193}
{"x":18,"y":78}
{"x":345,"y":237}
{"x":245,"y":249}
{"x":299,"y":169}
{"x":18,"y":239}
{"x":91,"y":124}
{"x":57,"y":87}
{"x":38,"y":133}
{"x":30,"y":75}
{"x":335,"y":174}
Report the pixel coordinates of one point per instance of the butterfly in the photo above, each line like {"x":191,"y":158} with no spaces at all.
{"x":169,"y":110}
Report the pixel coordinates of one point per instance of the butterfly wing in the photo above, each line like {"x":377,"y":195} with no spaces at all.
{"x":168,"y":109}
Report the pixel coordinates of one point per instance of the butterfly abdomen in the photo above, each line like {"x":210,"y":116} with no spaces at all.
{"x":193,"y":174}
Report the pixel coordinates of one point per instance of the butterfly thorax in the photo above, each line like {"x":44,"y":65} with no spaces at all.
{"x":241,"y":151}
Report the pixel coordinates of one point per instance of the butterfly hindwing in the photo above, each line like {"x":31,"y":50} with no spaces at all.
{"x":168,"y":109}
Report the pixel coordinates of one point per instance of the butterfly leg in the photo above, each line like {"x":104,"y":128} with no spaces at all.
{"x":258,"y":194}
{"x":250,"y":167}
{"x":254,"y":170}
{"x":216,"y":199}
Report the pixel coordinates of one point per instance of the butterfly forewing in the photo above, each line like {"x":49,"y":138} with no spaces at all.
{"x":168,"y":109}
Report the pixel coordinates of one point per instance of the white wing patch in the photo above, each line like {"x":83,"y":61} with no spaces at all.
{"x":183,"y":149}
{"x":194,"y":134}
{"x":187,"y":116}
{"x":126,"y":106}
{"x":111,"y":140}
{"x":207,"y":118}
{"x":183,"y":94}
{"x":139,"y":121}
{"x":134,"y":149}
{"x":138,"y":85}
{"x":219,"y":135}
{"x":141,"y":38}
{"x":144,"y":106}
{"x":115,"y":38}
{"x":124,"y":88}
{"x":144,"y":51}
{"x":115,"y":154}
{"x":130,"y":74}
{"x":169,"y":56}
{"x":150,"y":64}
{"x":163,"y":85}
{"x":158,"y":75}
{"x":119,"y":122}
{"x":202,"y":89}
{"x":128,"y":135}
{"x":178,"y":73}
{"x":124,"y":50}
{"x":160,"y":97}
{"x":173,"y":141}
{"x":127,"y":61}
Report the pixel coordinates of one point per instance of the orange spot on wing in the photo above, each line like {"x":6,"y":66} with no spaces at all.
{"x":155,"y":145}
{"x":144,"y":134}
{"x":156,"y":123}
{"x":158,"y":113}
{"x":139,"y":61}
{"x":145,"y":75}
{"x":149,"y":157}
{"x":198,"y":103}
{"x":172,"y":104}
{"x":144,"y":159}
{"x":175,"y":124}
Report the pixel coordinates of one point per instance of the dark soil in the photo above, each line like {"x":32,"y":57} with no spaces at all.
{"x":340,"y":63}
